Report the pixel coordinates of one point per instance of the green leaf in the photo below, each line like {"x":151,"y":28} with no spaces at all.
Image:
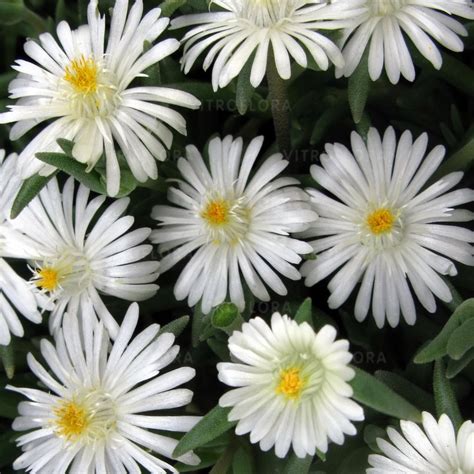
{"x":30,"y":188}
{"x":12,"y":12}
{"x":371,"y":433}
{"x":359,"y":87}
{"x":461,"y":160}
{"x":305,"y":312}
{"x":176,"y":326}
{"x":445,"y":399}
{"x":210,"y":427}
{"x":245,"y":90}
{"x":219,"y":347}
{"x":72,"y":167}
{"x":243,"y":462}
{"x":438,"y":347}
{"x":456,"y":366}
{"x":168,"y":7}
{"x":375,"y":394}
{"x":461,"y":340}
{"x":7,"y":357}
{"x":296,"y":465}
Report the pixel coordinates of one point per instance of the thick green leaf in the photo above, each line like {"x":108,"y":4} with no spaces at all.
{"x":243,"y":462}
{"x":12,"y":12}
{"x":296,"y":465}
{"x":28,"y":191}
{"x":438,"y":347}
{"x":210,"y":427}
{"x":72,"y":167}
{"x":305,"y":312}
{"x":168,"y":7}
{"x":176,"y":327}
{"x":359,"y":88}
{"x":455,"y":366}
{"x":461,"y":340}
{"x":219,"y":347}
{"x":245,"y":90}
{"x":461,"y":160}
{"x":445,"y":399}
{"x":371,"y":433}
{"x":7,"y":357}
{"x":375,"y":394}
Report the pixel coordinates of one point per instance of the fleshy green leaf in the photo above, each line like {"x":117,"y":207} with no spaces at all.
{"x":243,"y":462}
{"x":438,"y":347}
{"x":461,"y":160}
{"x":445,"y":398}
{"x":296,"y":465}
{"x":359,"y":88}
{"x":12,"y":12}
{"x":168,"y":7}
{"x":245,"y":90}
{"x":28,"y":191}
{"x":176,"y":326}
{"x":72,"y":167}
{"x":7,"y":357}
{"x":210,"y":427}
{"x":455,"y":366}
{"x":461,"y":340}
{"x":305,"y":312}
{"x":375,"y":394}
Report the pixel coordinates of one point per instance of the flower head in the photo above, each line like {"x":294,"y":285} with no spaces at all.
{"x":71,"y":259}
{"x":291,"y":386}
{"x":380,"y":226}
{"x":93,"y":416}
{"x":14,"y":291}
{"x":85,"y":87}
{"x":387,"y":23}
{"x":435,"y":449}
{"x":254,"y":29}
{"x":238,"y":225}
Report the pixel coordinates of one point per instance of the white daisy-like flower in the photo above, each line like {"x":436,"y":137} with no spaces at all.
{"x":291,"y":28}
{"x":94,"y":416}
{"x":237,"y":224}
{"x":14,"y":291}
{"x":73,"y":259}
{"x":387,"y":23}
{"x":85,"y":88}
{"x":435,"y":449}
{"x":382,"y":228}
{"x":292,"y":386}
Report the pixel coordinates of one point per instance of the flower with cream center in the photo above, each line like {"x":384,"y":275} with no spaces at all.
{"x":72,"y":260}
{"x":259,"y":30}
{"x":383,"y":229}
{"x":239,"y":226}
{"x":82,"y":85}
{"x":94,"y":414}
{"x":287,"y":382}
{"x":384,"y":26}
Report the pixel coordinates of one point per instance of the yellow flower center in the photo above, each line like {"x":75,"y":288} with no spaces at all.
{"x":380,"y":221}
{"x":72,"y":420}
{"x":216,"y":212}
{"x":82,"y":74}
{"x":291,"y":383}
{"x":48,"y":279}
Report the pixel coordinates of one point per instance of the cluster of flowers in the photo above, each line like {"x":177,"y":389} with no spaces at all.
{"x":376,"y":222}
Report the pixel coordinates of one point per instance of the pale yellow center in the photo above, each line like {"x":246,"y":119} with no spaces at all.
{"x":48,"y":279}
{"x":72,"y":420}
{"x":216,"y":212}
{"x":385,"y":7}
{"x":380,"y":221}
{"x":82,"y":74}
{"x":291,"y":383}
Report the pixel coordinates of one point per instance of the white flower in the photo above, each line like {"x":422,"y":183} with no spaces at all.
{"x":236,"y":224}
{"x":85,"y":88}
{"x":14,"y":291}
{"x":292,"y":386}
{"x":291,"y":27}
{"x":72,"y":259}
{"x":434,"y":451}
{"x":386,"y":23}
{"x":94,"y":415}
{"x":382,"y":228}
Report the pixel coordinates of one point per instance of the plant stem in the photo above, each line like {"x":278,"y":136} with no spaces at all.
{"x":280,"y":104}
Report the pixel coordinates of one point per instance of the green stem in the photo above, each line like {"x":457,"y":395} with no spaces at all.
{"x":280,"y":105}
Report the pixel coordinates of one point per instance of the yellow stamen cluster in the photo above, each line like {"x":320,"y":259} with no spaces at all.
{"x":48,"y":279}
{"x":291,"y":383}
{"x":72,"y":420}
{"x":380,"y":221}
{"x":216,"y":212}
{"x":82,"y":74}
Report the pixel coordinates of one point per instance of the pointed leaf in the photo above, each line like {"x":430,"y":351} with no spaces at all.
{"x":176,"y":327}
{"x":245,"y":90}
{"x":461,"y":340}
{"x":359,"y":88}
{"x":7,"y":357}
{"x":445,"y":399}
{"x":305,"y":312}
{"x":210,"y":427}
